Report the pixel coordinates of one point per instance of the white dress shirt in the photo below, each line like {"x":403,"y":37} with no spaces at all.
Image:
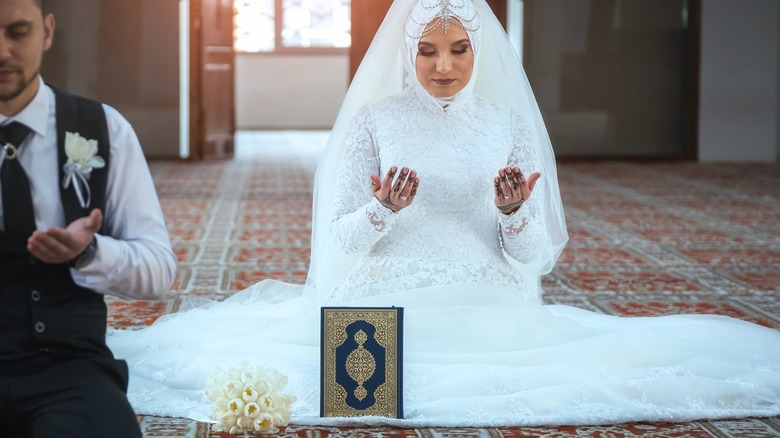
{"x":134,"y":257}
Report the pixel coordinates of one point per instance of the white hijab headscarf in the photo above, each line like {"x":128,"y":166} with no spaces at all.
{"x":388,"y":68}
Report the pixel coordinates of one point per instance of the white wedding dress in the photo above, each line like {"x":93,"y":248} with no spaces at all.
{"x":479,"y":347}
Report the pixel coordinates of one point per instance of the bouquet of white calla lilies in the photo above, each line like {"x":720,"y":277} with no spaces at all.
{"x":248,"y":399}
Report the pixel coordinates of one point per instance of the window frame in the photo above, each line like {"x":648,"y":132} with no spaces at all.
{"x":279,"y":48}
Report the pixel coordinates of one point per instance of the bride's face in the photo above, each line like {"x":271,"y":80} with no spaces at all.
{"x":445,"y":61}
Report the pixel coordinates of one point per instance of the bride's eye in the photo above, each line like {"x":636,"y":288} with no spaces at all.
{"x":461,"y":50}
{"x":427,"y":52}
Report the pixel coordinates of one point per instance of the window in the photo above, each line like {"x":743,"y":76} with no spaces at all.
{"x":292,"y":26}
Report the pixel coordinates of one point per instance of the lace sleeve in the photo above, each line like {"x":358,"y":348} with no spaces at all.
{"x":522,"y":234}
{"x":359,"y":220}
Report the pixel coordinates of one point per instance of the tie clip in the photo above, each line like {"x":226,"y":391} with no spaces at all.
{"x":10,"y":151}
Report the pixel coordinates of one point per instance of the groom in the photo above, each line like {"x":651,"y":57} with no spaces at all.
{"x":79,"y":218}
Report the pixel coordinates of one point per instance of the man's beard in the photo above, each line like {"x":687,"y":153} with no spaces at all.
{"x":20,"y":86}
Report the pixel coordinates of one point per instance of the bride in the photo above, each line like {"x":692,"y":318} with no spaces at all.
{"x":438,"y":193}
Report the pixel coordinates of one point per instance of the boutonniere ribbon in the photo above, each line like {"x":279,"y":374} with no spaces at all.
{"x":82,"y":158}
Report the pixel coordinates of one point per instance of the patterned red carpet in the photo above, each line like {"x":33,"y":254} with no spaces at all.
{"x":646,"y":239}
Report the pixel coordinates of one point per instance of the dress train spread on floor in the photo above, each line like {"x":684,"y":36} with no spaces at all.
{"x":474,"y":360}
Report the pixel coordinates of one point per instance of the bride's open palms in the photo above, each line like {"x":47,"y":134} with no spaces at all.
{"x":396,"y":193}
{"x":512,"y":188}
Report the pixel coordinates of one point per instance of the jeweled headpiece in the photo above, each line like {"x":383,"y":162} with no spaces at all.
{"x":442,"y":13}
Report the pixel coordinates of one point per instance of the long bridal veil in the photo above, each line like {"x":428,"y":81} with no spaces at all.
{"x":383,"y":72}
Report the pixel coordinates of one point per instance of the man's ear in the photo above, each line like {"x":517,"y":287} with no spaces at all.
{"x":48,"y":31}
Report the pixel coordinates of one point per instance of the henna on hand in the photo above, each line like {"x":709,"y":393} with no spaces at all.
{"x":511,"y":208}
{"x":402,"y":190}
{"x":389,"y":205}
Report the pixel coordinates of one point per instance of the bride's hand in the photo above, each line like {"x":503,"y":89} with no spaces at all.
{"x":399,"y":194}
{"x":512,"y":188}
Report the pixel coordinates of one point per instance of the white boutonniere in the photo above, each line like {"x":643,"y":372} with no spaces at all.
{"x":82,"y":158}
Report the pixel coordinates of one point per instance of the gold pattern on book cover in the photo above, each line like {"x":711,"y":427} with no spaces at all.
{"x":361,"y":364}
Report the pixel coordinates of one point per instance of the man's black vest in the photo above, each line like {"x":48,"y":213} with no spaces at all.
{"x":42,"y":311}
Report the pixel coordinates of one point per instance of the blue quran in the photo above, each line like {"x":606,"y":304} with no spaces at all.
{"x":361,"y":362}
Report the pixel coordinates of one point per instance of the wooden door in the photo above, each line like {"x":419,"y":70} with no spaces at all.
{"x":212,"y":79}
{"x":499,"y":8}
{"x":367,"y":15}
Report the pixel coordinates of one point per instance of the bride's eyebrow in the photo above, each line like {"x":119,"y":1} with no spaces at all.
{"x":464,"y":40}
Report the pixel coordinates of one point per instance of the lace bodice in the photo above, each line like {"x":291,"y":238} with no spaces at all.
{"x":452,"y":233}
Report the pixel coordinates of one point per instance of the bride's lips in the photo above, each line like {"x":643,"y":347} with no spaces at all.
{"x":444,"y":81}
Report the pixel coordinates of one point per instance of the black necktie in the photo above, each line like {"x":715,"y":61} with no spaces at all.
{"x":18,"y":211}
